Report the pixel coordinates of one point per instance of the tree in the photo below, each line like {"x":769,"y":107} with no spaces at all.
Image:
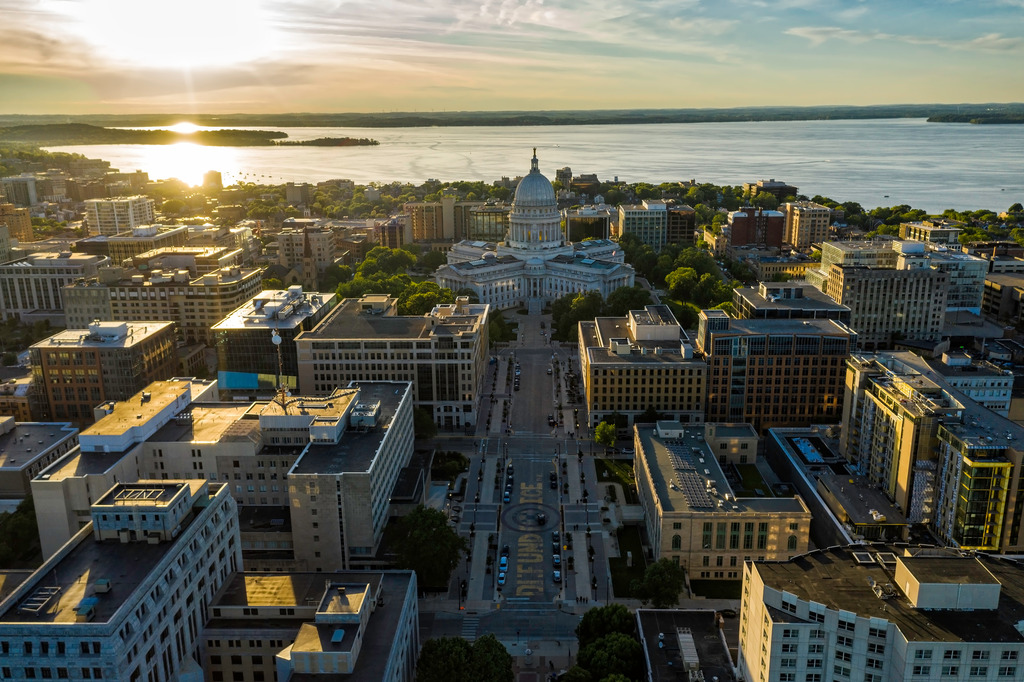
{"x":604,"y":434}
{"x":611,"y":654}
{"x":604,"y":620}
{"x":441,"y":658}
{"x":426,"y":544}
{"x":453,"y":658}
{"x":681,"y":283}
{"x":1016,"y":208}
{"x":272,"y":284}
{"x":432,"y":260}
{"x":662,"y":582}
{"x":489,"y":661}
{"x":576,"y":674}
{"x":423,"y":423}
{"x":9,"y":358}
{"x":624,"y":299}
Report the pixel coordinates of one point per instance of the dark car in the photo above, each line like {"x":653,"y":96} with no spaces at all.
{"x":505,"y":550}
{"x":542,"y":519}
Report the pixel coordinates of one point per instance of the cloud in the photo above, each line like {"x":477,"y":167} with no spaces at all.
{"x":819,"y":35}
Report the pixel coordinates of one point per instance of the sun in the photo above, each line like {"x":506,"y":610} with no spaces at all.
{"x":185,"y":128}
{"x":185,"y":34}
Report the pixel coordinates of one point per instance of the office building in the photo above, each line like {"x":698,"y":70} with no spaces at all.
{"x":359,"y":626}
{"x":983,"y":382}
{"x":32,"y":286}
{"x":681,"y":225}
{"x":76,"y":370}
{"x":774,"y":372}
{"x":15,"y":400}
{"x":239,"y":236}
{"x":692,"y":515}
{"x":20,"y":190}
{"x":127,"y":597}
{"x":28,"y":447}
{"x":934,"y":232}
{"x":756,"y":227}
{"x":120,"y":214}
{"x":18,"y":221}
{"x":298,"y":193}
{"x":130,"y":243}
{"x":246,"y":352}
{"x":450,"y":220}
{"x":486,"y":223}
{"x":196,"y":302}
{"x":795,"y":300}
{"x":647,"y":221}
{"x":638,"y":363}
{"x":308,"y":250}
{"x":5,"y":243}
{"x":806,"y":223}
{"x":773,"y":268}
{"x":535,"y":264}
{"x":443,"y":353}
{"x":882,"y":613}
{"x":779,"y":189}
{"x":588,"y":222}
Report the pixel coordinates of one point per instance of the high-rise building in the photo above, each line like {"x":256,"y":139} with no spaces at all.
{"x":643,"y":361}
{"x":692,"y":514}
{"x":882,"y":613}
{"x":806,"y":223}
{"x":78,"y":369}
{"x":5,"y":243}
{"x":127,"y":597}
{"x":18,"y":221}
{"x":196,"y":302}
{"x":447,"y":220}
{"x":774,"y":372}
{"x":15,"y":398}
{"x":33,"y":284}
{"x":20,"y":190}
{"x":112,"y":216}
{"x":589,"y":222}
{"x":246,"y":351}
{"x":487,"y":223}
{"x":780,"y":189}
{"x":647,"y":221}
{"x":130,"y":243}
{"x":947,"y":461}
{"x":443,"y":353}
{"x":28,"y":447}
{"x":935,"y":232}
{"x":681,"y":225}
{"x":787,"y":300}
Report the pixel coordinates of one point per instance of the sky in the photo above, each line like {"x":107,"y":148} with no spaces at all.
{"x":272,"y":56}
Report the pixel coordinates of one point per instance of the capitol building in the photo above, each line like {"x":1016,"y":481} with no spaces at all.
{"x":535,"y":264}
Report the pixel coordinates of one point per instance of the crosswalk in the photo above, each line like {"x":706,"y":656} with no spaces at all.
{"x":470,"y":625}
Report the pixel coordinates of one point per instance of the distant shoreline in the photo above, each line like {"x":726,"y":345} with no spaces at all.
{"x":65,"y":134}
{"x":945,"y":113}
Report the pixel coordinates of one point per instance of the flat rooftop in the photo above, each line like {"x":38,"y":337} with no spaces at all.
{"x":779,"y":325}
{"x":289,"y":589}
{"x":129,"y":414}
{"x":668,"y":661}
{"x":71,"y":579}
{"x":839,"y":580}
{"x":812,"y":299}
{"x":356,"y":450}
{"x":687,"y":477}
{"x":349,"y":320}
{"x":275,"y":310}
{"x":859,"y":498}
{"x":23,"y":444}
{"x":643,"y":352}
{"x":202,"y":423}
{"x":136,"y":333}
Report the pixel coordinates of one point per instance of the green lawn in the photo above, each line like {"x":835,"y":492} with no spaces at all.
{"x":752,"y":480}
{"x":623,"y":575}
{"x":617,"y":471}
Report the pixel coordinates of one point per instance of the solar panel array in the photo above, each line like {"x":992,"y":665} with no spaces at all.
{"x":139,"y":494}
{"x":692,"y":484}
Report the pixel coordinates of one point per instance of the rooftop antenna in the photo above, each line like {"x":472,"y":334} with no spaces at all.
{"x":275,"y":338}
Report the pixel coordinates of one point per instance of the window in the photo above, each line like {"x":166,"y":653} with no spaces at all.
{"x":847,"y":625}
{"x":1007,"y":671}
{"x":922,"y":670}
{"x":788,"y":662}
{"x":789,"y":606}
{"x":844,"y":656}
{"x":979,"y":655}
{"x":876,"y":648}
{"x":979,"y":670}
{"x":841,"y":670}
{"x":844,"y":641}
{"x":812,"y":677}
{"x":790,"y":633}
{"x":922,"y":654}
{"x":951,"y":670}
{"x":1009,"y":656}
{"x":790,"y":648}
{"x":951,"y":655}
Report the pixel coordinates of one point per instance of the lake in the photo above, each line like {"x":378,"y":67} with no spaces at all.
{"x":882,"y":162}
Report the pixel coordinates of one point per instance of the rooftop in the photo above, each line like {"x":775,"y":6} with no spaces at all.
{"x":353,"y":319}
{"x":280,"y":309}
{"x":105,"y":335}
{"x":124,"y":415}
{"x":841,"y":578}
{"x":780,"y":325}
{"x":28,"y":440}
{"x":357,"y":449}
{"x":686,"y":475}
{"x":205,"y":423}
{"x":69,"y":579}
{"x":673,"y":638}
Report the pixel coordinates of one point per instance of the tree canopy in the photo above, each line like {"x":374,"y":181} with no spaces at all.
{"x":604,"y":434}
{"x":445,"y":659}
{"x":425,"y":543}
{"x":615,"y":653}
{"x":662,"y":582}
{"x":604,"y":620}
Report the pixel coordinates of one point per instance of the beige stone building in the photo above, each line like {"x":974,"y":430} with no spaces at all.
{"x":639,"y":362}
{"x":310,"y":250}
{"x":694,"y":518}
{"x":142,"y":239}
{"x":443,"y":353}
{"x":806,"y":223}
{"x":18,"y":221}
{"x":120,"y":214}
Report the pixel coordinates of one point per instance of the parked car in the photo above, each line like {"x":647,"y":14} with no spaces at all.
{"x":556,"y":559}
{"x":503,"y":564}
{"x":556,"y":576}
{"x":501,"y":578}
{"x":542,"y":518}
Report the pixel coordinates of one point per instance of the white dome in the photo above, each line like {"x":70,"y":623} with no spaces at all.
{"x":535,"y":189}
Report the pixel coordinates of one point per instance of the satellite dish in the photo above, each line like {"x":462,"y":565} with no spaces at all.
{"x":276,"y":338}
